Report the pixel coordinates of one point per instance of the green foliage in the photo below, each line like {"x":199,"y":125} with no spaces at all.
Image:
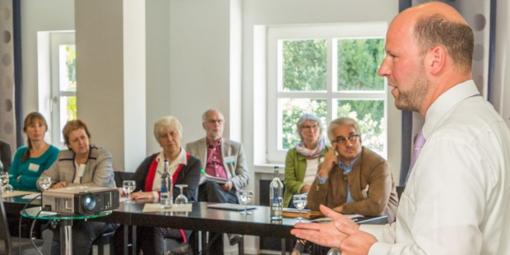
{"x":305,"y":69}
{"x":292,"y":111}
{"x":304,"y":65}
{"x":71,"y":65}
{"x":358,"y":62}
{"x":71,"y":108}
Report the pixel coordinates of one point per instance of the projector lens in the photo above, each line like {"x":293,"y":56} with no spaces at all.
{"x":89,"y":202}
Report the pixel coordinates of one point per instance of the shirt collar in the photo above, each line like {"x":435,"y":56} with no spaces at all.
{"x":445,"y":102}
{"x":181,"y":158}
{"x":215,"y":143}
{"x":347,"y":168}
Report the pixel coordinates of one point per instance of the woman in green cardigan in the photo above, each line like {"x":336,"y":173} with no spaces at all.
{"x":303,"y":160}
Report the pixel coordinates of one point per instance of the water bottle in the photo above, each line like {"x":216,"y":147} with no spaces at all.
{"x":276,"y":197}
{"x":165,"y":195}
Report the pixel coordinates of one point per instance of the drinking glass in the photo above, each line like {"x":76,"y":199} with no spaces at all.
{"x":334,"y":251}
{"x":181,"y":198}
{"x":299,"y":201}
{"x":244,"y":199}
{"x":44,"y":182}
{"x":128,"y":186}
{"x":6,"y":187}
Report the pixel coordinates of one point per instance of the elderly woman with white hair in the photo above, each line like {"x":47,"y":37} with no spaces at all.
{"x":184,"y":169}
{"x":303,"y":160}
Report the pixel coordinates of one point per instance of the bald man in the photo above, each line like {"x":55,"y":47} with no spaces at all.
{"x":456,"y":197}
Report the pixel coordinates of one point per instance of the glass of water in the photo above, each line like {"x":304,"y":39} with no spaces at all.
{"x":6,"y":187}
{"x":128,"y":186}
{"x":299,"y":201}
{"x":244,"y":199}
{"x":44,"y":182}
{"x":181,"y":198}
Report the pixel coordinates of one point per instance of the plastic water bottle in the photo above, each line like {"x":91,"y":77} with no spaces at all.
{"x":276,"y":197}
{"x":165,"y":195}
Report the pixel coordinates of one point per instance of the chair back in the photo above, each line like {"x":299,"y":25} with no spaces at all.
{"x":5,"y":235}
{"x":121,"y":176}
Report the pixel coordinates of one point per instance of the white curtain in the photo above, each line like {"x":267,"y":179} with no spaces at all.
{"x":7,"y":111}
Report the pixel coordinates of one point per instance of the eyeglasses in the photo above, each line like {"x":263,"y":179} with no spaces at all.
{"x":309,"y":126}
{"x":351,"y":138}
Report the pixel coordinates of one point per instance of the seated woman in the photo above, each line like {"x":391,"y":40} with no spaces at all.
{"x":184,"y":169}
{"x":81,"y":164}
{"x":31,"y":160}
{"x":302,"y":161}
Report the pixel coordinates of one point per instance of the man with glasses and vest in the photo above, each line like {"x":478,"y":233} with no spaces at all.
{"x":352,"y":178}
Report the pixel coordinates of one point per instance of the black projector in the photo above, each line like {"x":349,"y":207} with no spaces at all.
{"x":83,"y":200}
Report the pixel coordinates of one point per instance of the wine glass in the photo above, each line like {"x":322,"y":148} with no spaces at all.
{"x":244,"y":199}
{"x":299,"y":201}
{"x":128,"y":186}
{"x":181,"y":198}
{"x":44,"y":182}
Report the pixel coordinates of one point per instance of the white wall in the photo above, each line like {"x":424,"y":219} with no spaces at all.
{"x":196,"y":75}
{"x":47,"y":15}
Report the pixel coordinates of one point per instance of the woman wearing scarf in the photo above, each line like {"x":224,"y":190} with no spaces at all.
{"x":184,"y":169}
{"x":303,"y":160}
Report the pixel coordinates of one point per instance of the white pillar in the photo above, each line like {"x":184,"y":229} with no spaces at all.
{"x":110,"y":43}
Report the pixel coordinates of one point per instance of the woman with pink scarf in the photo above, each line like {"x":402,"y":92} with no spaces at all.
{"x":303,"y":161}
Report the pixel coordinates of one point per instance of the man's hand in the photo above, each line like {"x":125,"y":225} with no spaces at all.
{"x":325,"y":234}
{"x":330,"y":160}
{"x":357,"y":242}
{"x":227,"y":186}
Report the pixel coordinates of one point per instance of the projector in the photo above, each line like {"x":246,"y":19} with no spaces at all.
{"x":82,"y":200}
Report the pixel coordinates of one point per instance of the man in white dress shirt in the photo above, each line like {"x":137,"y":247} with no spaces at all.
{"x":457,"y":196}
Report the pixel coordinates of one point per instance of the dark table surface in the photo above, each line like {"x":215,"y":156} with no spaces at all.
{"x":200,"y":218}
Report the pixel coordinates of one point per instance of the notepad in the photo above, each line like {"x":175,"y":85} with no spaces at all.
{"x":156,"y":207}
{"x":231,"y":207}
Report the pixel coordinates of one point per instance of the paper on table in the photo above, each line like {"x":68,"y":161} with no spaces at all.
{"x":353,"y":217}
{"x":31,"y":196}
{"x":15,"y":193}
{"x":156,"y":207}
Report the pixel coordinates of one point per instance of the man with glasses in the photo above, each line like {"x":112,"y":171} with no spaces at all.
{"x":226,"y":170}
{"x":352,"y":178}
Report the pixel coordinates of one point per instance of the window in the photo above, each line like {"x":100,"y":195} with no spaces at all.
{"x":58,"y":82}
{"x":328,"y":70}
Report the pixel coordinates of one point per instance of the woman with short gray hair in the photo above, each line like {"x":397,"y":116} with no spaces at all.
{"x":184,"y":169}
{"x":303,"y":160}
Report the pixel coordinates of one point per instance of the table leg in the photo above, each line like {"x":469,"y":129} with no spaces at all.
{"x":284,"y":246}
{"x":66,"y":237}
{"x":204,"y":242}
{"x":133,"y":236}
{"x":125,"y":250}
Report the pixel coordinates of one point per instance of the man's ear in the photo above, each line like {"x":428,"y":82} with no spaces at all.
{"x":203,"y":125}
{"x":435,"y":59}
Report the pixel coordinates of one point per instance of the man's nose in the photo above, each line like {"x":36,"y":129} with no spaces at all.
{"x":384,"y":68}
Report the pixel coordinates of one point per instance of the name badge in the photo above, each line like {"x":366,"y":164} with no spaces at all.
{"x":230,"y":160}
{"x":33,"y":167}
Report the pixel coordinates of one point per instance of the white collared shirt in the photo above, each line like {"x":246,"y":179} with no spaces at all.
{"x":455,"y":201}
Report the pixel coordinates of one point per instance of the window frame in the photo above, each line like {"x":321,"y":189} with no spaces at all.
{"x":56,"y":39}
{"x":329,"y":32}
